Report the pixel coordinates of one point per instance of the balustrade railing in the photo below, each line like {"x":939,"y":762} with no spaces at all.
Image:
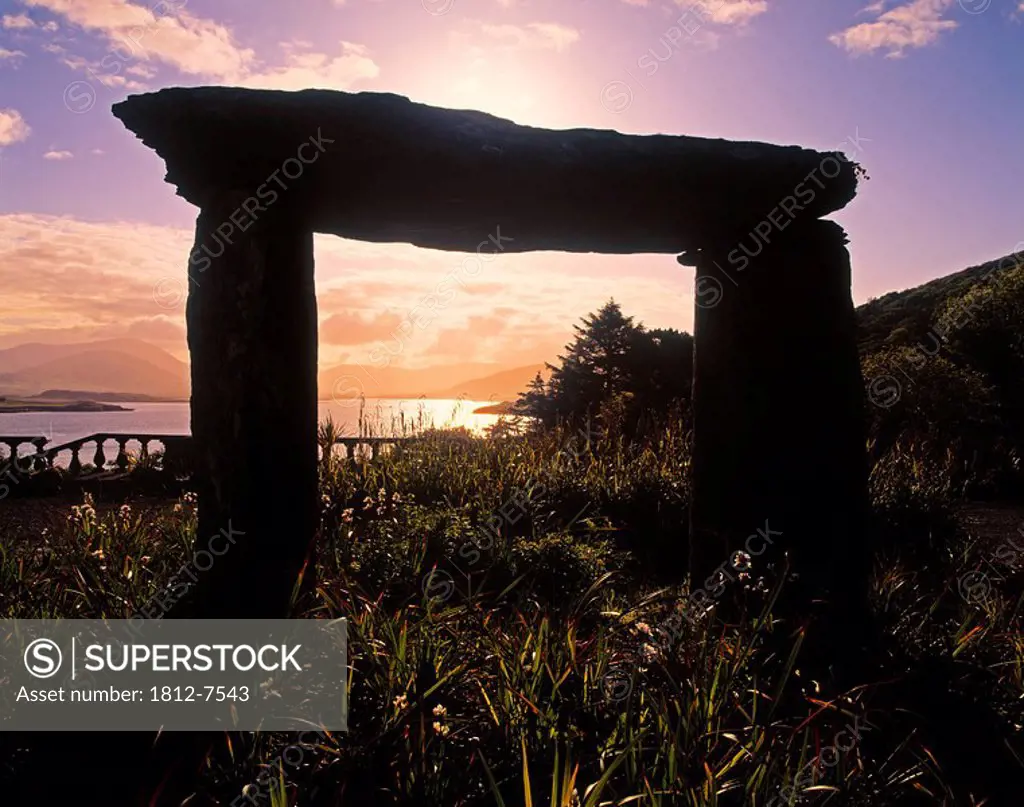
{"x":175,"y":452}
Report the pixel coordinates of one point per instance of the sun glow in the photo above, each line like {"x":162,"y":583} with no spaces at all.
{"x":516,"y":90}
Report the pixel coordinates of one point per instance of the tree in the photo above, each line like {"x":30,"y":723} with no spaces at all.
{"x":984,"y":328}
{"x":613,"y":365}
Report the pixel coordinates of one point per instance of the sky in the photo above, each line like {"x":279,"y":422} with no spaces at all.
{"x":93,"y":244}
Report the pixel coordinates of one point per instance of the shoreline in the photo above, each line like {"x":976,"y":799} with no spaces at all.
{"x":19,"y":407}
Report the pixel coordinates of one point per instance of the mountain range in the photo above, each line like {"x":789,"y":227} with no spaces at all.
{"x":124,"y":369}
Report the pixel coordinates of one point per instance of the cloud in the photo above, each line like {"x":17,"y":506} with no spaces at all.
{"x":349,"y":328}
{"x":916,"y":24}
{"x":99,"y":276}
{"x":458,"y":342}
{"x":317,"y":70}
{"x":58,"y":155}
{"x":728,"y":12}
{"x":160,"y":329}
{"x":534,"y":36}
{"x":11,"y":56}
{"x":196,"y":46}
{"x":191,"y":44}
{"x":65,"y":279}
{"x":16,"y":22}
{"x":13,"y":128}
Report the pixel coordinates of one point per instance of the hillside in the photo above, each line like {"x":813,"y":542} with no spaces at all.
{"x":503,"y":386}
{"x":914,"y":309}
{"x":31,"y":354}
{"x":443,"y":381}
{"x":129,"y":366}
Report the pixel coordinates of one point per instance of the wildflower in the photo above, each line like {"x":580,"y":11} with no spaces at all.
{"x":367,"y":503}
{"x":190,"y":498}
{"x":649,"y":652}
{"x":395,"y":498}
{"x":440,"y":728}
{"x":400,"y":702}
{"x":382,"y":494}
{"x":83,"y":515}
{"x":177,"y":508}
{"x":440,"y":711}
{"x":643,"y":627}
{"x":741,"y":561}
{"x":347,"y":515}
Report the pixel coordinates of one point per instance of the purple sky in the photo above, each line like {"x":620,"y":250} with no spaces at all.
{"x":926,"y":95}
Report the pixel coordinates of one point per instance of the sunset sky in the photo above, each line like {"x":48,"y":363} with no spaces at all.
{"x":93,"y":244}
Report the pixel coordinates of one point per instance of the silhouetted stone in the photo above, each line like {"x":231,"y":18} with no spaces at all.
{"x":406,"y":172}
{"x":252,"y":334}
{"x":777,"y":394}
{"x":779,"y":440}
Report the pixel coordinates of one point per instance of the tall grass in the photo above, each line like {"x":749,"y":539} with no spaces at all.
{"x":534,"y":675}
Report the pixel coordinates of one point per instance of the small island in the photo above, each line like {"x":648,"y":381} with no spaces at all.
{"x":12,"y":406}
{"x":503,"y":408}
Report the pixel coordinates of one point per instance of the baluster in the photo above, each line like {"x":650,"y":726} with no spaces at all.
{"x":373,"y":451}
{"x":122,"y":454}
{"x":75,"y":467}
{"x":144,"y":451}
{"x":15,"y":458}
{"x":13,"y":448}
{"x":39,"y":461}
{"x":99,"y":459}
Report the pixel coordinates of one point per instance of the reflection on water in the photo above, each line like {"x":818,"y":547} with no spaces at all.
{"x":386,"y":417}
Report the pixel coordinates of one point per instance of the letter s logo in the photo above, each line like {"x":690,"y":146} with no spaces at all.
{"x":43,"y":658}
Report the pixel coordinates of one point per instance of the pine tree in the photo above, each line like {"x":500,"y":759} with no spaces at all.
{"x":614,"y":363}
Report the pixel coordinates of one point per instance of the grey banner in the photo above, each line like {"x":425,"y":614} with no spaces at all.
{"x":173,"y":674}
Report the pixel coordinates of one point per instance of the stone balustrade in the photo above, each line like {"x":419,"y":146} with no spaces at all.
{"x":92,"y":451}
{"x":29,"y":462}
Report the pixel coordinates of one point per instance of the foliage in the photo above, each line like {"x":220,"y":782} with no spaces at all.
{"x":613,"y":371}
{"x":542,"y":668}
{"x":904,"y":317}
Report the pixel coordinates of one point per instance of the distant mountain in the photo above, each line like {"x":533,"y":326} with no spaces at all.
{"x":915,"y":309}
{"x":22,"y":357}
{"x":351,"y":380}
{"x":127,"y":365}
{"x":89,"y":395}
{"x":502,"y":386}
{"x":137,"y":370}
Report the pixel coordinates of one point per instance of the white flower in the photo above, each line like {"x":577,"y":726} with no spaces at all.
{"x":741,"y":561}
{"x":440,"y":728}
{"x":400,"y":702}
{"x":440,"y":711}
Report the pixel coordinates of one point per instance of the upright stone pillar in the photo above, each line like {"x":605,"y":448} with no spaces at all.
{"x":778,"y":411}
{"x":252,"y":335}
